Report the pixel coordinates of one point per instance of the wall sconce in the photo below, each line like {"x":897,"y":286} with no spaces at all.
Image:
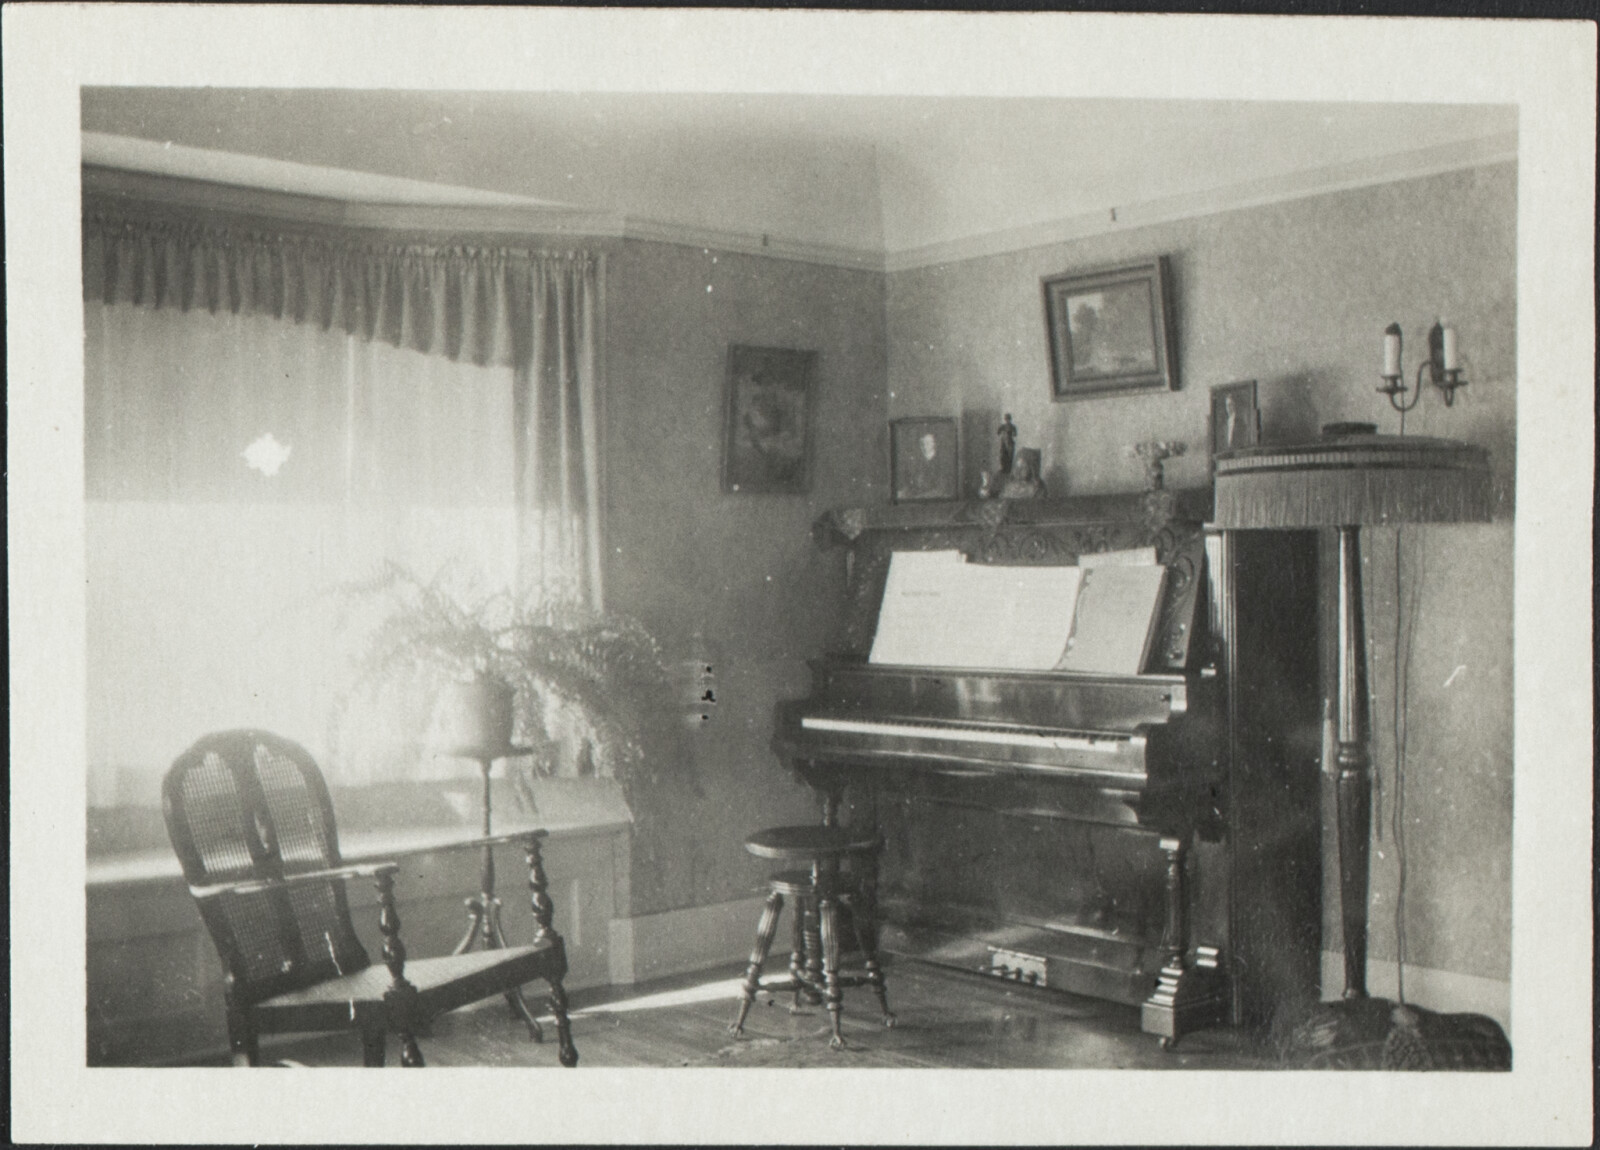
{"x":1443,"y":366}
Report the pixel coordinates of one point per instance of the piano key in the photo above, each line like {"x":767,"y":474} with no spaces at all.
{"x":1012,"y":738}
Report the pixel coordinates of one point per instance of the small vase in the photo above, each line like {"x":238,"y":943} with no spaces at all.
{"x":475,"y":717}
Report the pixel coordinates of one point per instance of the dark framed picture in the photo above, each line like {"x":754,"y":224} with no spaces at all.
{"x":924,"y":459}
{"x":1235,"y":417}
{"x":1111,"y":330}
{"x":766,"y":446}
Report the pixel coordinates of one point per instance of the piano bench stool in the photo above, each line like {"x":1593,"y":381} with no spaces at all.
{"x":840,"y":874}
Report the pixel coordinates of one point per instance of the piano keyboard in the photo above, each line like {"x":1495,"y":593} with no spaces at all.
{"x":1107,"y":745}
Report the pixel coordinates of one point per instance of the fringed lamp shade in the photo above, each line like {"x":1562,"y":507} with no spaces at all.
{"x":1347,"y":481}
{"x":1355,"y":480}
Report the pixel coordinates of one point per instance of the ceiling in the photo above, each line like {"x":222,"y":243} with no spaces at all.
{"x":890,"y":176}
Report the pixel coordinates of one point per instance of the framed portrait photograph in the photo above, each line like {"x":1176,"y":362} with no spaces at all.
{"x":1235,"y":417}
{"x":766,"y":447}
{"x":1111,"y":330}
{"x":924,"y":459}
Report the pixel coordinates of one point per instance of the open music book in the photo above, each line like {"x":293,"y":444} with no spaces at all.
{"x":1116,"y":618}
{"x":939,"y":610}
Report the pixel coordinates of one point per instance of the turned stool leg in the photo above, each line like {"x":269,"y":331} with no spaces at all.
{"x":797,"y":952}
{"x":765,"y":931}
{"x":813,"y":929}
{"x":866,"y":924}
{"x":828,"y":912}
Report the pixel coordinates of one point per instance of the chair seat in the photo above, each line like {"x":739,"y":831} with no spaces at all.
{"x":805,"y":843}
{"x":356,"y":1000}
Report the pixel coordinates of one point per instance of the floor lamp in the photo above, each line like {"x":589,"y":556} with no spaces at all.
{"x":1347,"y":481}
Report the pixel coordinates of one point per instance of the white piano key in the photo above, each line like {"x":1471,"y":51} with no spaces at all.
{"x":942,"y":733}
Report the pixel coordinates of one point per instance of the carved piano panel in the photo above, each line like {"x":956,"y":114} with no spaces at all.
{"x":1151,"y":838}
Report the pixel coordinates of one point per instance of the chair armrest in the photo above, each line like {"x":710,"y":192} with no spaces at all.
{"x":256,"y":886}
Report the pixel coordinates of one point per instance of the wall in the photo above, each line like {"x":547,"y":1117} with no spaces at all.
{"x":732,"y":576}
{"x":1296,"y":295}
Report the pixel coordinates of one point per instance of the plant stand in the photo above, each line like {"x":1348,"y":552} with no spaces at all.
{"x":483,"y":908}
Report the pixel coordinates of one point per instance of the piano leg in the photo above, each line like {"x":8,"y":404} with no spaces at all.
{"x":765,"y":930}
{"x":1186,"y":997}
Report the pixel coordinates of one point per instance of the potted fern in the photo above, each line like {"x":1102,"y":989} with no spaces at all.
{"x":564,"y":685}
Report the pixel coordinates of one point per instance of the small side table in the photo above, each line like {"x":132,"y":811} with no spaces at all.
{"x":483,"y":908}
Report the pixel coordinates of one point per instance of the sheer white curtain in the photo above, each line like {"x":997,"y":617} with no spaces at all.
{"x":267,"y":418}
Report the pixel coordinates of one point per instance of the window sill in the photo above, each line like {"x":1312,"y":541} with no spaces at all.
{"x":375,"y":823}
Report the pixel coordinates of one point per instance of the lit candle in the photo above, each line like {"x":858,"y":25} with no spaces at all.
{"x":1451,"y":362}
{"x":1391,"y":350}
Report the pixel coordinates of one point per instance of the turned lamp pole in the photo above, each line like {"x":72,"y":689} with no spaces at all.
{"x":1349,"y":479}
{"x":478,"y":727}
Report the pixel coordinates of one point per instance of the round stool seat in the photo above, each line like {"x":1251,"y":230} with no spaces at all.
{"x":804,"y":843}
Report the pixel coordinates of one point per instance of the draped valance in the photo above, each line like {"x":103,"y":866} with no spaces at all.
{"x":467,"y":302}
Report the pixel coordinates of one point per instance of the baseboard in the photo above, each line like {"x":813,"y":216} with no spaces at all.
{"x":651,"y":946}
{"x":1443,"y":990}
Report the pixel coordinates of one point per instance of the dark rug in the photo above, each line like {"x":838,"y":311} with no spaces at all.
{"x":1379,"y":1034}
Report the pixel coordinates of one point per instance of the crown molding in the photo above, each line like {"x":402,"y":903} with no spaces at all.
{"x":200,"y":180}
{"x":1436,"y":160}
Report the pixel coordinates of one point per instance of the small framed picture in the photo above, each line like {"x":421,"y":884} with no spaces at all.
{"x":1235,"y":417}
{"x":924,"y":459}
{"x":1111,"y":330}
{"x":767,"y":431}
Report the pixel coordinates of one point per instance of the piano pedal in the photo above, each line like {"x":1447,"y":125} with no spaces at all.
{"x":1018,"y":966}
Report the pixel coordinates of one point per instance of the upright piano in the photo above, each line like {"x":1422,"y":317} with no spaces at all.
{"x":1152,"y":838}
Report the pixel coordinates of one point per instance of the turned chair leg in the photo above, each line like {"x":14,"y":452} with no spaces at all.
{"x":765,"y":931}
{"x":400,"y":1000}
{"x":565,"y":1051}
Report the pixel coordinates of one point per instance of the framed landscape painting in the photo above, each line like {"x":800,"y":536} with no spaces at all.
{"x":1111,"y":330}
{"x":767,"y":428}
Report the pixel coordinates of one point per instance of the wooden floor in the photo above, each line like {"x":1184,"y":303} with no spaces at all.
{"x":947,"y":1019}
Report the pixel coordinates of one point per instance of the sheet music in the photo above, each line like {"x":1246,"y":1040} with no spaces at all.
{"x":939,"y":610}
{"x":1115,"y":619}
{"x":1136,"y":556}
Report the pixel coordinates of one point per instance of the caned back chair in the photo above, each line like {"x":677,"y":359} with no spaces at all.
{"x":252,"y":823}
